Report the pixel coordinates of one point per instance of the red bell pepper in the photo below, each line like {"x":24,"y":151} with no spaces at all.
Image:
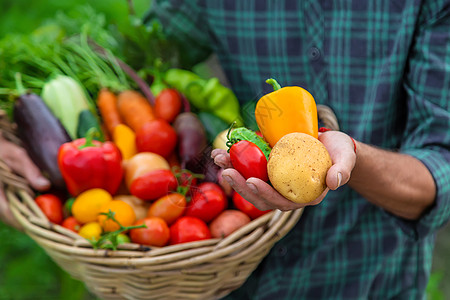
{"x":86,"y":163}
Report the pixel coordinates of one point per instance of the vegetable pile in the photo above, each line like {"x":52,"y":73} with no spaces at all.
{"x":130,"y":162}
{"x":127,"y":165}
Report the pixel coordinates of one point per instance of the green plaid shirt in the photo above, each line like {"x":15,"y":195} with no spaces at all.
{"x":383,"y":66}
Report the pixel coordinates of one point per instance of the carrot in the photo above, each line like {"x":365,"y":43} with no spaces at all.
{"x":134,"y":109}
{"x":107,"y":105}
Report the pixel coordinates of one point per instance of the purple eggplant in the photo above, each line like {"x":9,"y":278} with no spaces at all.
{"x":42,"y":134}
{"x":193,"y":149}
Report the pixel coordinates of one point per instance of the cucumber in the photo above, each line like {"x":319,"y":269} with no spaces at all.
{"x":87,"y":120}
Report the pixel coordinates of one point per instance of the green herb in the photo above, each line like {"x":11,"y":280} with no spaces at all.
{"x":109,"y":240}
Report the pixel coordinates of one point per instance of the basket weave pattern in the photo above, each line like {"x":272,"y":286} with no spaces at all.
{"x":208,"y":269}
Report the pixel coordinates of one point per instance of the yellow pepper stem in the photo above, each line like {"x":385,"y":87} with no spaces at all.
{"x":276,"y":86}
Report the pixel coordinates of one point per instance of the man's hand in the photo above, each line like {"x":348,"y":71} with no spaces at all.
{"x":19,"y":161}
{"x":264,"y":197}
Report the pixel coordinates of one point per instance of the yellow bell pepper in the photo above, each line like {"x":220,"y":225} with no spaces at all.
{"x":286,"y":110}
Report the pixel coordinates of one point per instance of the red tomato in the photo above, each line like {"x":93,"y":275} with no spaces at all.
{"x":156,"y":136}
{"x":51,"y":206}
{"x":206,"y":204}
{"x":247,"y":207}
{"x":188,"y":229}
{"x":249,"y":160}
{"x":71,"y":223}
{"x":154,"y":184}
{"x":169,"y":207}
{"x":186,"y":180}
{"x":157,"y":232}
{"x":210,"y":186}
{"x":167,"y":105}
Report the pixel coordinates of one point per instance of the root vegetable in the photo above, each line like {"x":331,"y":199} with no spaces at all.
{"x":227,"y":222}
{"x":297,"y":167}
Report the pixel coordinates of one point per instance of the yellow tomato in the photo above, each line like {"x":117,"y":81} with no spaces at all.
{"x":123,"y":213}
{"x":91,"y":231}
{"x":87,"y":205}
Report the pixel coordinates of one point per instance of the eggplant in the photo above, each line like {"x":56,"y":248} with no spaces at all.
{"x":41,"y":134}
{"x":191,"y":138}
{"x":193,"y":149}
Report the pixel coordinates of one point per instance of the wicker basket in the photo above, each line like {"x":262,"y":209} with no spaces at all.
{"x":208,"y":269}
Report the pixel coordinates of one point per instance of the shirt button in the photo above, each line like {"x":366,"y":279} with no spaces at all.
{"x":314,"y":53}
{"x":281,"y":251}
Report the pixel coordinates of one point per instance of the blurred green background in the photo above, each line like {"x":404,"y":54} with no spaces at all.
{"x":26,"y":272}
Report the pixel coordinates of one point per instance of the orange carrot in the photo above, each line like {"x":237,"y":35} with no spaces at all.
{"x":107,"y":105}
{"x":134,"y":109}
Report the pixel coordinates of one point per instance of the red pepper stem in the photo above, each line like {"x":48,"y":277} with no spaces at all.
{"x":92,"y":132}
{"x":276,"y":86}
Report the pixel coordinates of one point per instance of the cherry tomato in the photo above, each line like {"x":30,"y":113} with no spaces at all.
{"x":157,"y":232}
{"x":167,"y":105}
{"x":67,"y":209}
{"x":247,"y":207}
{"x":154,"y":184}
{"x":249,"y":160}
{"x":188,"y":229}
{"x":51,"y":206}
{"x":156,"y":136}
{"x":169,"y":207}
{"x":122,"y":238}
{"x":186,"y":178}
{"x":206,"y":204}
{"x":71,"y":223}
{"x":207,"y":186}
{"x":186,"y":181}
{"x":123,"y":213}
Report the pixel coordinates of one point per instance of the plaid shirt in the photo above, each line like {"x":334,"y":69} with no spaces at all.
{"x":383,"y":66}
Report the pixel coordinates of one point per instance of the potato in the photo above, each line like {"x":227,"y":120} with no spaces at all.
{"x":139,"y":206}
{"x":297,"y":167}
{"x":227,"y":222}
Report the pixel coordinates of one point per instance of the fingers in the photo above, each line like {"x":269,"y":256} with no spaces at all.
{"x":221,"y":158}
{"x":259,"y":193}
{"x":342,"y":154}
{"x":33,"y":175}
{"x":19,"y":161}
{"x":238,"y":183}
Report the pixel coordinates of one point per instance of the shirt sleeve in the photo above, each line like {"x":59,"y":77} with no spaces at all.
{"x":183,"y":22}
{"x":427,"y":84}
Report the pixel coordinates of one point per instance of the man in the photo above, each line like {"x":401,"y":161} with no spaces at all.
{"x":384,"y":68}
